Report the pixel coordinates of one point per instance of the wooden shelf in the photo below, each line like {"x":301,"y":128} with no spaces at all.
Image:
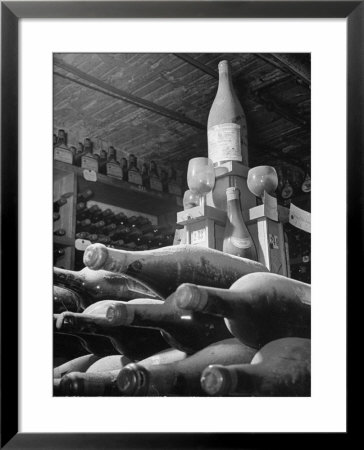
{"x":64,"y":241}
{"x":121,"y":193}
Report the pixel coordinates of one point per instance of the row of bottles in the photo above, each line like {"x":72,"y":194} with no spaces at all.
{"x":281,"y":368}
{"x":299,"y":245}
{"x":163,"y":322}
{"x":148,"y":175}
{"x":119,"y":230}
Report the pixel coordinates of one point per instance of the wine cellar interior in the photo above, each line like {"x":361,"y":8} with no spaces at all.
{"x":142,"y":240}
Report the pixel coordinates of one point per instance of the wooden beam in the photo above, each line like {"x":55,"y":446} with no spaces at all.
{"x":288,"y":63}
{"x":124,"y":96}
{"x":199,"y":65}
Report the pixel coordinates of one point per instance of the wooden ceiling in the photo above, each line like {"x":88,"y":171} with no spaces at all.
{"x":156,"y":105}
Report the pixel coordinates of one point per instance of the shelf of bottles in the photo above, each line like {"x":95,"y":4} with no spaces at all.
{"x":125,"y":171}
{"x":117,"y":230}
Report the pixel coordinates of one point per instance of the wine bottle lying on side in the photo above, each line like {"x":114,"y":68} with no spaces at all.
{"x":258,"y":308}
{"x":88,"y":384}
{"x":80,"y":364}
{"x":184,"y":330}
{"x":66,"y":300}
{"x":181,"y":377}
{"x":92,"y":286}
{"x":134,"y":343}
{"x":164,"y":269}
{"x":100,"y":378}
{"x":281,"y":368}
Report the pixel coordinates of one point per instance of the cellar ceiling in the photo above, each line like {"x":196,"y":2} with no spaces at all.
{"x":156,"y":105}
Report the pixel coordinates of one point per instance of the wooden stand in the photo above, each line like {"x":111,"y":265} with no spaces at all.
{"x":205,"y":225}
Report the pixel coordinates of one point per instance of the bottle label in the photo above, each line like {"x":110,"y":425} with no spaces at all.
{"x":63,"y":155}
{"x":224,"y":142}
{"x":156,"y":184}
{"x":89,"y":163}
{"x":135,"y":177}
{"x":114,"y":170}
{"x":198,"y":236}
{"x":241,"y":243}
{"x":89,"y":175}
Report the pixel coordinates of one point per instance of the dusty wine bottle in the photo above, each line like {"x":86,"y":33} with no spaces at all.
{"x":166,"y":268}
{"x":93,"y":285}
{"x":154,"y":180}
{"x":81,"y":384}
{"x":78,"y":155}
{"x":108,"y":363}
{"x":237,"y":239}
{"x":133,"y":343}
{"x":58,"y":203}
{"x":80,"y":364}
{"x":181,"y":377}
{"x":258,"y":308}
{"x":59,"y":232}
{"x":65,"y":300}
{"x":85,"y":195}
{"x":281,"y":368}
{"x":182,"y":330}
{"x":226,"y":125}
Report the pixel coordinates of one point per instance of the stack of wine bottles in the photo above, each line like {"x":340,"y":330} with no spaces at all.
{"x":58,"y":250}
{"x":179,"y":321}
{"x":118,"y":230}
{"x":148,"y":175}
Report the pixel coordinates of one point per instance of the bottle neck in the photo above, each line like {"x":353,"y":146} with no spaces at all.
{"x":234,"y":210}
{"x":225,"y":78}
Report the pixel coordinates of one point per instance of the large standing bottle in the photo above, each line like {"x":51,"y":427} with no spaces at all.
{"x":181,"y":377}
{"x":134,"y":343}
{"x":226,"y":125}
{"x":164,"y":269}
{"x":237,"y":239}
{"x":183,"y":330}
{"x":258,"y":308}
{"x":281,"y":368}
{"x":97,"y":285}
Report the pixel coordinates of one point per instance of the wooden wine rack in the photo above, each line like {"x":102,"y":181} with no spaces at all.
{"x":69,"y":180}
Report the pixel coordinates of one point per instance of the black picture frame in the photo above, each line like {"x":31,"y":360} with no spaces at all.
{"x":11,"y":12}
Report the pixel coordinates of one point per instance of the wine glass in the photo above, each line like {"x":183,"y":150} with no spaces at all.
{"x":190,"y":199}
{"x":201,"y":177}
{"x":262,"y":179}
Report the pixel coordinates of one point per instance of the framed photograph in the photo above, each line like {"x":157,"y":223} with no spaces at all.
{"x":125,"y":89}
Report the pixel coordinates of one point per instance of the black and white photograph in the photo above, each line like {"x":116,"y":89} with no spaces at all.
{"x":182,"y":224}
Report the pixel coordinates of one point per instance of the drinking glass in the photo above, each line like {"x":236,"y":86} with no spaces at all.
{"x":190,"y":199}
{"x":201,"y":177}
{"x":262,"y":178}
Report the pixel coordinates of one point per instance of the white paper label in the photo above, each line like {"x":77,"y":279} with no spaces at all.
{"x":63,"y":155}
{"x":224,"y":142}
{"x":114,"y":170}
{"x":90,"y":175}
{"x":241,"y":243}
{"x":82,"y":244}
{"x":89,"y":163}
{"x":198,"y":236}
{"x":299,"y":218}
